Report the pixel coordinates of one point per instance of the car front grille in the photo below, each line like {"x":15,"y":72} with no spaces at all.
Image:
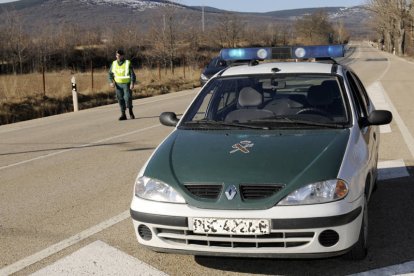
{"x":259,"y":191}
{"x":272,"y":240}
{"x":248,"y":191}
{"x":206,"y":191}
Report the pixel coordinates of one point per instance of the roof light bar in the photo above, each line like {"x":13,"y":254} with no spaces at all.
{"x":323,"y":51}
{"x":246,"y":53}
{"x":284,"y":52}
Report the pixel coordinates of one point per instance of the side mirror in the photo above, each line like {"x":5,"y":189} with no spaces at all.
{"x":168,"y":119}
{"x":379,"y":117}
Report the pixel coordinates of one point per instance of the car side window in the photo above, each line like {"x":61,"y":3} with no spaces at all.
{"x":226,"y":101}
{"x":202,"y":112}
{"x":359,"y":99}
{"x":362,"y":90}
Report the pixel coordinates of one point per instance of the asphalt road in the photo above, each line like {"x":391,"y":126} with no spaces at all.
{"x":66,"y":181}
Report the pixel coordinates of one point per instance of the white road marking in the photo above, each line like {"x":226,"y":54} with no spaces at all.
{"x":401,"y":269}
{"x":23,"y":263}
{"x":376,"y":93}
{"x":77,"y":147}
{"x":186,"y":93}
{"x":23,"y":125}
{"x":392,"y":169}
{"x":408,"y":138}
{"x":385,"y":129}
{"x":98,"y":258}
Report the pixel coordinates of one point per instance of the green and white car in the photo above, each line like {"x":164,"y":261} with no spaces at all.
{"x":271,"y":159}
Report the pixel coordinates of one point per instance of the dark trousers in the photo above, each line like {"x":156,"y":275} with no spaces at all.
{"x":124,"y":96}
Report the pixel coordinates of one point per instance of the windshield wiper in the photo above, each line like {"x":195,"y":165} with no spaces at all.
{"x":222,"y":123}
{"x":287,"y":120}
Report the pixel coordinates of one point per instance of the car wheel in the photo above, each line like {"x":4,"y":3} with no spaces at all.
{"x":360,"y":249}
{"x":374,"y":189}
{"x":375,"y":175}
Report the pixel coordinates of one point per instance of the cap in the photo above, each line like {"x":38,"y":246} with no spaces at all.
{"x":120,"y":52}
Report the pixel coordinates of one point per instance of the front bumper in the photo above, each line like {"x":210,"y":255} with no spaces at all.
{"x":294,"y":233}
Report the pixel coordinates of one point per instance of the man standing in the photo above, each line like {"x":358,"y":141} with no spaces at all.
{"x":122,"y":78}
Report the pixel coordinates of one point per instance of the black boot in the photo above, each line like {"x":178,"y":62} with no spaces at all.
{"x":131,"y":114}
{"x":123,"y":117}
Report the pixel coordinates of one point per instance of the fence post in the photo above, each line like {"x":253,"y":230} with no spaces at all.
{"x":92,"y":75}
{"x":43,"y":80}
{"x":159,"y":71}
{"x":74,"y":95}
{"x":184,"y":68}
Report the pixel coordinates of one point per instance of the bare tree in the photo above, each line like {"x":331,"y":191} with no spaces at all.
{"x":166,"y":33}
{"x":314,"y":29}
{"x":66,"y":39}
{"x":16,"y":40}
{"x":191,"y":43}
{"x":229,"y":31}
{"x":270,"y":34}
{"x":391,"y":18}
{"x":42,"y":46}
{"x":341,"y":33}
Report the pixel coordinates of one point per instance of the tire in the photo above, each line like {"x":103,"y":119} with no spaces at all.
{"x":360,"y":250}
{"x":375,"y":176}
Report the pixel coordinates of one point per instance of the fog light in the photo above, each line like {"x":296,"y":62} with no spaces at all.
{"x":144,"y":232}
{"x":328,"y":238}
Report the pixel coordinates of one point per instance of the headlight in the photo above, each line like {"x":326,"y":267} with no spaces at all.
{"x":153,"y":189}
{"x":320,"y":192}
{"x":204,"y":77}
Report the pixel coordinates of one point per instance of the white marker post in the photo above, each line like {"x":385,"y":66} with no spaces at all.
{"x":74,"y":95}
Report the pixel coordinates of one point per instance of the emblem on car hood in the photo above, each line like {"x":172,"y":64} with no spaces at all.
{"x":231,"y":192}
{"x":242,"y":146}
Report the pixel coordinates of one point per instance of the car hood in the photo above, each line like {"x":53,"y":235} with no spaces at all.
{"x":289,"y":158}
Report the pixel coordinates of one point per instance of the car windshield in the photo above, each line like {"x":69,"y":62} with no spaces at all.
{"x":268,"y":102}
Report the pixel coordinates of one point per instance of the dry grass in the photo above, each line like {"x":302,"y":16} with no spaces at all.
{"x":22,"y":97}
{"x":15,"y":88}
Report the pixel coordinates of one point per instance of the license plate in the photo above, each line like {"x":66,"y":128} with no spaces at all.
{"x":231,"y":226}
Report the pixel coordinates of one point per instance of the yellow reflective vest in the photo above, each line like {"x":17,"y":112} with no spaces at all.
{"x":121,"y":72}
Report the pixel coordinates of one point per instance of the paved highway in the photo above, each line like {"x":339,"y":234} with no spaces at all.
{"x":66,"y":184}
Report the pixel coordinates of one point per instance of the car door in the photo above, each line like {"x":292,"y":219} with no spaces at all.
{"x":369,"y":134}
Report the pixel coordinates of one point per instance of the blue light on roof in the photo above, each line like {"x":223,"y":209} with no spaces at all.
{"x":284,"y":52}
{"x":246,"y":53}
{"x":322,"y":51}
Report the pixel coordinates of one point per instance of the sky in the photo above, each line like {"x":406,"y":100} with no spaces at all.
{"x":264,"y":5}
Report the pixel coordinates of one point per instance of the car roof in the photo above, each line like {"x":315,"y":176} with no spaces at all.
{"x":282,"y":68}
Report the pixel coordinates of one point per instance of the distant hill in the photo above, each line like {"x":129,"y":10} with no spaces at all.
{"x":356,"y":19}
{"x":115,"y":13}
{"x":287,"y":14}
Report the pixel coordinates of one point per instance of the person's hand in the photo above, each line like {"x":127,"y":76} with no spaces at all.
{"x":112,"y":85}
{"x":131,"y":86}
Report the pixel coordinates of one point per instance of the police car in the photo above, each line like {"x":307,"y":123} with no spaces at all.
{"x":271,"y":159}
{"x":215,"y":65}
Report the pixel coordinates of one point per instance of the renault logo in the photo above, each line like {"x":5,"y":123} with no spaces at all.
{"x":231,"y":192}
